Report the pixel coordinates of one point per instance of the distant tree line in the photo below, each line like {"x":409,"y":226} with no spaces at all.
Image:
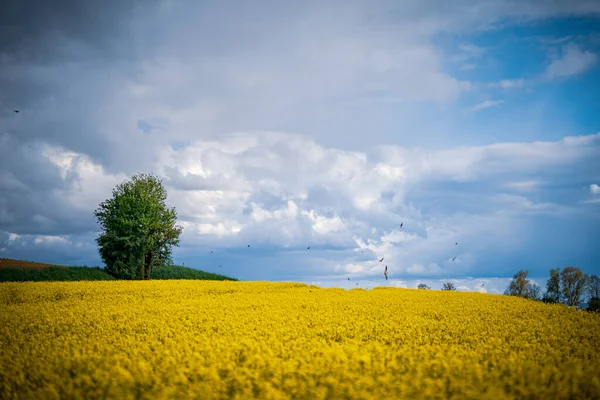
{"x":569,"y":286}
{"x":445,"y":286}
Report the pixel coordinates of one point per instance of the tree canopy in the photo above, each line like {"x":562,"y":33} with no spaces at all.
{"x":553,"y":293}
{"x":138,"y":229}
{"x":594,"y":286}
{"x":520,"y":286}
{"x":574,"y":285}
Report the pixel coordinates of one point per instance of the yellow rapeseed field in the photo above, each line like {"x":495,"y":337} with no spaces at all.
{"x":218,"y":340}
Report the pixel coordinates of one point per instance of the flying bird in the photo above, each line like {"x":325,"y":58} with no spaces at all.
{"x":401,"y":224}
{"x":248,"y":245}
{"x":308,"y":248}
{"x":456,"y":244}
{"x":220,"y":266}
{"x":454,"y":259}
{"x":385,"y":273}
{"x":348,"y":278}
{"x":211,"y":252}
{"x":381,"y":259}
{"x":16,"y":111}
{"x":357,"y":283}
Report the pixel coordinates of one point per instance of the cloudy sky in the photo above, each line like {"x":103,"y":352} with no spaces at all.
{"x":327,"y":124}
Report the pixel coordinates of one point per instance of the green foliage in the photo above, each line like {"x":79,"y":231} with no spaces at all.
{"x":553,"y":293}
{"x":448,"y":286}
{"x":423,"y":286}
{"x":535,"y":292}
{"x":177,"y":272}
{"x":54,"y":274}
{"x":594,"y":304}
{"x":520,"y":286}
{"x":138,"y":228}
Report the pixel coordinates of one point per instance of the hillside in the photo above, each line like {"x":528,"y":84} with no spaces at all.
{"x":20,"y":264}
{"x":22,"y":271}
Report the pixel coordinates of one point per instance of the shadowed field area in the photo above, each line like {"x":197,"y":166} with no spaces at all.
{"x":218,"y":340}
{"x":7,"y":263}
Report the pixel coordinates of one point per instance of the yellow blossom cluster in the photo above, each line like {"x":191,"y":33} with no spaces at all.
{"x":238,"y":340}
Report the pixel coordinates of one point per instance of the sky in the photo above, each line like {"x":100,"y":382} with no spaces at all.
{"x":460,"y":141}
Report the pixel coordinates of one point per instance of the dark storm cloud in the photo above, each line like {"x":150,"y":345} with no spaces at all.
{"x":58,"y":65}
{"x":69,"y":250}
{"x":32,"y":191}
{"x":37,"y":37}
{"x":38,"y":31}
{"x":59,"y":62}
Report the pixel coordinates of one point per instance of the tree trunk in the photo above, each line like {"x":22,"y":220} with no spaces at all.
{"x":148,"y":265}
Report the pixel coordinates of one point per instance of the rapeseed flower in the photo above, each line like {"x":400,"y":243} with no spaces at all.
{"x":222,"y":340}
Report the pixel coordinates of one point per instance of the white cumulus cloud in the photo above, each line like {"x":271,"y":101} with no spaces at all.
{"x":573,"y":61}
{"x":286,"y":192}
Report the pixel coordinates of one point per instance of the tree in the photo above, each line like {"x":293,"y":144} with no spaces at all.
{"x":534,"y":292}
{"x":594,"y":287}
{"x":448,"y":286}
{"x":594,"y":304}
{"x":594,"y":293}
{"x":520,"y":286}
{"x":138,"y":230}
{"x":423,"y":286}
{"x":552,"y":294}
{"x":574,"y":284}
